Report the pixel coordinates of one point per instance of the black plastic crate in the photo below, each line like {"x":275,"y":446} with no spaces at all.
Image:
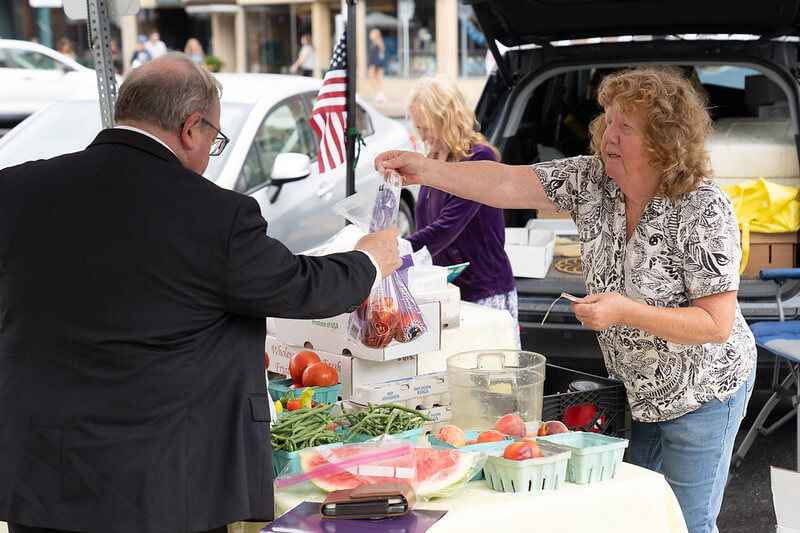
{"x":610,"y":399}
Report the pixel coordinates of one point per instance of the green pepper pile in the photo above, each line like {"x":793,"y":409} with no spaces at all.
{"x":381,"y":419}
{"x":304,"y":428}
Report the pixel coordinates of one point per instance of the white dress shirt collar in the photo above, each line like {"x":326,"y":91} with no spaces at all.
{"x":137,"y":130}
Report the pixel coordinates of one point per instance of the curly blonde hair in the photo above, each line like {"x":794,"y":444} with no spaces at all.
{"x":443,"y":108}
{"x":676,"y":122}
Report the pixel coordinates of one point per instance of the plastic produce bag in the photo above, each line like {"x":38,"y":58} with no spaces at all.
{"x":390,"y":312}
{"x":347,"y":466}
{"x":432,"y":472}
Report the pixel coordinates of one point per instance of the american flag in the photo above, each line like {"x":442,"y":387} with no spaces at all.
{"x":329,"y":116}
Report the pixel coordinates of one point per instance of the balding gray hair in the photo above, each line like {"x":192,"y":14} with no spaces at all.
{"x":167,"y":97}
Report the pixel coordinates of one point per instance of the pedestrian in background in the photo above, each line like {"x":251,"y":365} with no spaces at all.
{"x":140,"y":55}
{"x":194,"y":50}
{"x":116,"y":57}
{"x":155,"y":46}
{"x":456,"y":230}
{"x":306,"y":57}
{"x":132,"y":389}
{"x":65,"y":47}
{"x":660,"y":254}
{"x":376,"y":61}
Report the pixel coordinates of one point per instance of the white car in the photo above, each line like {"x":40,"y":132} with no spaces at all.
{"x":272,"y":155}
{"x":32,"y":76}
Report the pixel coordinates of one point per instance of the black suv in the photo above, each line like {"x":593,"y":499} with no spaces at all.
{"x":537,"y":104}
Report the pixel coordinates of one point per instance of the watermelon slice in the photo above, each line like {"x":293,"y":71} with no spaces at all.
{"x":436,"y":469}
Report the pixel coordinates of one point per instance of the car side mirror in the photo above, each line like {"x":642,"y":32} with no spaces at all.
{"x":290,"y":167}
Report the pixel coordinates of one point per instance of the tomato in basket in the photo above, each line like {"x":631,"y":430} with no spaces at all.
{"x":320,"y":375}
{"x":299,"y":362}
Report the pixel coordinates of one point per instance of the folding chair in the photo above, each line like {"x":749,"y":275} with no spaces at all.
{"x":781,"y":339}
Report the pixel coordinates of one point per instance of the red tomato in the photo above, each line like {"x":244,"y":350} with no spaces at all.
{"x":299,"y":362}
{"x":384,"y":310}
{"x":293,"y":405}
{"x":375,"y":334}
{"x":266,"y":356}
{"x":295,"y":386}
{"x":518,"y":451}
{"x":320,"y":375}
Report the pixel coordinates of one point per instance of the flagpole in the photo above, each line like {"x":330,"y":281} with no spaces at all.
{"x":350,"y":31}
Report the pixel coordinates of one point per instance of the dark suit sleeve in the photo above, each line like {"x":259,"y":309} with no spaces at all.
{"x":264,"y":278}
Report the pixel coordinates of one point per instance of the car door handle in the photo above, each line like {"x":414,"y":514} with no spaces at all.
{"x":325,"y":189}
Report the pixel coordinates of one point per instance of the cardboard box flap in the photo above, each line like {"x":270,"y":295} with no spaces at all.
{"x":785,"y":490}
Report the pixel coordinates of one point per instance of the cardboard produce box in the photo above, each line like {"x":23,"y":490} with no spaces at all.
{"x":330,"y":335}
{"x":450,"y":300}
{"x":352,"y":371}
{"x":785,"y":487}
{"x":771,"y":250}
{"x":530,"y":251}
{"x":429,"y":283}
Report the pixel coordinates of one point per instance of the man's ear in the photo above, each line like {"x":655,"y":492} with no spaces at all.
{"x":190,"y":132}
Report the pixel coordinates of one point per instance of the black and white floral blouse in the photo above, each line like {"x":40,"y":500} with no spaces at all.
{"x":680,"y":251}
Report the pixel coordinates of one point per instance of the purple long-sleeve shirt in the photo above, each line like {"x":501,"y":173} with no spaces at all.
{"x":456,"y":230}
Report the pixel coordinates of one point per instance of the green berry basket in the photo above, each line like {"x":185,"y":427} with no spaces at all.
{"x":595,"y":457}
{"x":325,"y":395}
{"x":531,"y":475}
{"x":281,"y":458}
{"x":478,"y":447}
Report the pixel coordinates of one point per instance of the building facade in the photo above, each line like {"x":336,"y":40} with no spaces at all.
{"x":420,"y":36}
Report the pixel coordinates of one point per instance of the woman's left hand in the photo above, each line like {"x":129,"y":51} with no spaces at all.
{"x":601,"y":311}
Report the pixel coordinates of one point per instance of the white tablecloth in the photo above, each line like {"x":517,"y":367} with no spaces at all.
{"x":480,"y":328}
{"x":637,"y":500}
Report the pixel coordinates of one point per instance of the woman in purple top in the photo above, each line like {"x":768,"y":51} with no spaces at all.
{"x":456,"y":230}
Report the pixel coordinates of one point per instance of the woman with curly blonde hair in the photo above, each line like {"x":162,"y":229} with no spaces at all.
{"x":454,"y":229}
{"x":660,"y":255}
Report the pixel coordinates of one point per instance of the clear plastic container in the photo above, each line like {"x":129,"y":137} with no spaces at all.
{"x":487,"y":384}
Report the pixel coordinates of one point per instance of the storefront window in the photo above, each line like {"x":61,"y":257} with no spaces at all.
{"x":273,"y":36}
{"x":408,"y":30}
{"x":472,"y":46}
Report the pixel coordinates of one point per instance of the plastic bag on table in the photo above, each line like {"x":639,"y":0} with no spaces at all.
{"x":334,"y":467}
{"x":390,"y":312}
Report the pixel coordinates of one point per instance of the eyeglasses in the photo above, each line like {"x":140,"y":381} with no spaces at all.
{"x":219,"y":143}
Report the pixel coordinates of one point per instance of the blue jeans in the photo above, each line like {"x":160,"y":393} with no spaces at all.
{"x":694,"y":452}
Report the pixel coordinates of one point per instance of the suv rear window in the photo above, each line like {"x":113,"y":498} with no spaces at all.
{"x":751,"y":122}
{"x":753,"y":135}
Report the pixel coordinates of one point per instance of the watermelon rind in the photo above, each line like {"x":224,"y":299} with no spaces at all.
{"x":441,"y":485}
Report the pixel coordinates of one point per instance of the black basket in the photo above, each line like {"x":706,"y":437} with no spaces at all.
{"x":609,"y":398}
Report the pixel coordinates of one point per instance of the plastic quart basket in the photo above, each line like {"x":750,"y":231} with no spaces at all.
{"x":531,"y":475}
{"x":595,"y":457}
{"x":324,"y":395}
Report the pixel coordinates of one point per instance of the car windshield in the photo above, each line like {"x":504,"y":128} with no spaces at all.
{"x":70,"y":126}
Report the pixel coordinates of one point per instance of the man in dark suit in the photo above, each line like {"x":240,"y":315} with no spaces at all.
{"x":133,"y":293}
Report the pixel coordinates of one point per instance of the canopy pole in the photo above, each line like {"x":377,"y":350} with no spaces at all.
{"x":350,"y":36}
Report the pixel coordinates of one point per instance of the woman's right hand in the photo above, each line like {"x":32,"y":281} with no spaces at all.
{"x":410,"y":166}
